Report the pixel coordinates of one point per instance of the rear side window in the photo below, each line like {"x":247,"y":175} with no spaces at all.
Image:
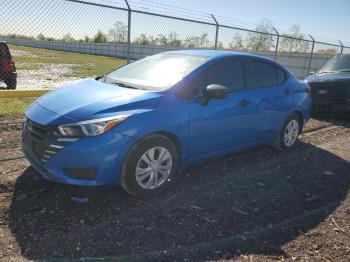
{"x":263,"y":74}
{"x":228,"y":72}
{"x":281,"y":75}
{"x":4,"y":52}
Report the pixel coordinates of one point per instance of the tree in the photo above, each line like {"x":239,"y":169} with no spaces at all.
{"x":100,"y":37}
{"x":197,"y":41}
{"x":328,"y":51}
{"x":68,"y":38}
{"x":261,"y":41}
{"x":87,"y":39}
{"x":173,"y":39}
{"x":41,"y":37}
{"x":293,"y":42}
{"x":237,"y":42}
{"x":119,"y":32}
{"x":142,"y":40}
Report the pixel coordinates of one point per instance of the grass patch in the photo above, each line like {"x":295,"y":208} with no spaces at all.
{"x":15,"y":106}
{"x":82,"y":65}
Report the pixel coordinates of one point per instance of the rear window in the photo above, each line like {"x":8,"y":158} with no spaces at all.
{"x":4,"y":51}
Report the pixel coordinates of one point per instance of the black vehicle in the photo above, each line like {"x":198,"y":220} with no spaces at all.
{"x":330,"y":86}
{"x":7,"y":67}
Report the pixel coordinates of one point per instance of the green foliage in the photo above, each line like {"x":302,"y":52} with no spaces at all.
{"x":289,"y":44}
{"x":261,"y":41}
{"x":100,"y":37}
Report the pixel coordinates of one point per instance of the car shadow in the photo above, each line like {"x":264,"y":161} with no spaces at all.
{"x":251,"y":202}
{"x":337,"y":119}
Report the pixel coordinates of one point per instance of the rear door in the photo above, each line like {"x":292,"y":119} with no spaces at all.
{"x":222,"y":123}
{"x":272,"y":96}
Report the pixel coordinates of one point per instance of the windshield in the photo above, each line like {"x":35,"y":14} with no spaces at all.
{"x":157,"y":72}
{"x":336,"y":64}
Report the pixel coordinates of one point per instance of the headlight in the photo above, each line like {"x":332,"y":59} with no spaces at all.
{"x":93,"y":127}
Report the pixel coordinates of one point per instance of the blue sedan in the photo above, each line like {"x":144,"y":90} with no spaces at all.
{"x":139,"y":124}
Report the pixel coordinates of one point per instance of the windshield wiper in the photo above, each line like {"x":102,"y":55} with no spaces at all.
{"x":326,"y":72}
{"x":124,"y":85}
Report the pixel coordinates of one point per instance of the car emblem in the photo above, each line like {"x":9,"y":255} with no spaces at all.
{"x":323,"y":92}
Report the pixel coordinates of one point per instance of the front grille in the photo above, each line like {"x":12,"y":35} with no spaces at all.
{"x":331,"y":92}
{"x":41,"y":142}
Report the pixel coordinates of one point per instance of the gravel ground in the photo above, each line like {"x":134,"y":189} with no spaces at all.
{"x":257,"y":205}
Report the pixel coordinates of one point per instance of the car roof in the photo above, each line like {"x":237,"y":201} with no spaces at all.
{"x":217,"y":53}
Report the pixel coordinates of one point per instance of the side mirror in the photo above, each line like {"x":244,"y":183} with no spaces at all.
{"x":214,"y":91}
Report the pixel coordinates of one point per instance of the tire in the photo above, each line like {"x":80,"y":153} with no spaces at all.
{"x":135,"y":180}
{"x":292,"y":129}
{"x":11,"y":82}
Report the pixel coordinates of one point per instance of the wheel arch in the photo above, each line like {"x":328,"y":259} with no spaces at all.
{"x":301,"y":118}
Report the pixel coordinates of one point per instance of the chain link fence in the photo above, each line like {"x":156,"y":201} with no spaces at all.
{"x":55,"y":42}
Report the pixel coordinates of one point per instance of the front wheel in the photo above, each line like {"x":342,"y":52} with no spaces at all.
{"x":149,"y":166}
{"x":288,"y":136}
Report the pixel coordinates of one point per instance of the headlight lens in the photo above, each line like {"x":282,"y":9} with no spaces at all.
{"x":93,"y":127}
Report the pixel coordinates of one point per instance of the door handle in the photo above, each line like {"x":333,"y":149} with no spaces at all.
{"x":286,"y":91}
{"x":244,"y":102}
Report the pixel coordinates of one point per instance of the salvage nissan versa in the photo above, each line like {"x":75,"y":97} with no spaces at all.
{"x":139,"y":124}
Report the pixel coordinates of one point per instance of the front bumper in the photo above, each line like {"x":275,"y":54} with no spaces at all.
{"x":88,"y":161}
{"x":334,"y":107}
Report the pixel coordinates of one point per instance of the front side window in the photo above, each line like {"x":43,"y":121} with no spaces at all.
{"x":228,"y":72}
{"x":158,"y":72}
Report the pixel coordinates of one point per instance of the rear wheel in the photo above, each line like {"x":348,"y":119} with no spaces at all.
{"x":288,"y":136}
{"x":149,"y":167}
{"x":11,"y":82}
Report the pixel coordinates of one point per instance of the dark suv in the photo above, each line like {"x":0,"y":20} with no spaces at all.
{"x":330,"y":86}
{"x":7,"y":67}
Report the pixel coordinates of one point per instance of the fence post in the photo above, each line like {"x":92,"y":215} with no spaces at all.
{"x":342,"y":47}
{"x":129,"y":32}
{"x":217,"y":31}
{"x":277,"y":42}
{"x":312,"y":52}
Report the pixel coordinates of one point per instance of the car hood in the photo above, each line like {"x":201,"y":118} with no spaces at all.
{"x":88,"y":99}
{"x":329,"y":77}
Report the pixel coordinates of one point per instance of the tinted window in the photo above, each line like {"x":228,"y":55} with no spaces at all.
{"x":281,"y":76}
{"x":263,"y":74}
{"x":228,"y":72}
{"x":4,"y":52}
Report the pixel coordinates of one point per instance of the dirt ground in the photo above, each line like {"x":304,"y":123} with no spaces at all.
{"x":257,"y":205}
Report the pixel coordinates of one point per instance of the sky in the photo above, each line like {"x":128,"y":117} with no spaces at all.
{"x":326,"y":18}
{"x":329,"y":19}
